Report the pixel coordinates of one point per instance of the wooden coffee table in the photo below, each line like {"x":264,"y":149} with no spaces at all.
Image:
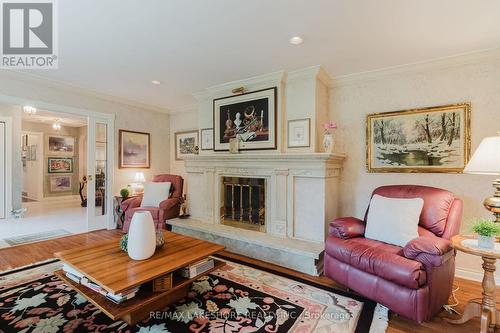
{"x":104,"y":263}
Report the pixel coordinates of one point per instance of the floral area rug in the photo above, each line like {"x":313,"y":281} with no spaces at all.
{"x":235,"y":298}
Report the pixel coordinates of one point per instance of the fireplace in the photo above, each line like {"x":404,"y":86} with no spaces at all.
{"x":243,"y":203}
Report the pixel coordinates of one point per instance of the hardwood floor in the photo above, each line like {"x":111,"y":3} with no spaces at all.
{"x":22,"y":255}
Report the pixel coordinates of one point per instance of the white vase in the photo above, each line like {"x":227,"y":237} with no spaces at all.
{"x":486,"y":242}
{"x":328,"y":142}
{"x":141,"y":236}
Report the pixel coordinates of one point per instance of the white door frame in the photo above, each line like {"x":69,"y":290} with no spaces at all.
{"x":40,"y":153}
{"x":8,"y":165}
{"x":95,"y":222}
{"x":78,"y":112}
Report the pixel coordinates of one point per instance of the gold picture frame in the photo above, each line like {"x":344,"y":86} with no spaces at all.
{"x":186,"y":143}
{"x":413,"y":140}
{"x":134,"y":149}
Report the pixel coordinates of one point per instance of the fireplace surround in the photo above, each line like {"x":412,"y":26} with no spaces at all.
{"x":301,"y":199}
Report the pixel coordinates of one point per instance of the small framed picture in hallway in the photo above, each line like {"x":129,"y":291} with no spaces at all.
{"x":60,"y":165}
{"x":60,"y":183}
{"x":434,"y":139}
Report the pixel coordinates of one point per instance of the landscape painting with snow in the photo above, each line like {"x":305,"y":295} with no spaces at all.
{"x":435,"y":139}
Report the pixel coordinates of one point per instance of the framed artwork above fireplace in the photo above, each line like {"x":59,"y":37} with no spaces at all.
{"x":250,"y":117}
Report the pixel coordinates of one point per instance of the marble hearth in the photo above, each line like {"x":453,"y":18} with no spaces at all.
{"x":301,"y":198}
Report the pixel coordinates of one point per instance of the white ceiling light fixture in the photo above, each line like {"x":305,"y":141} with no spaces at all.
{"x":29,"y":109}
{"x":56,"y":125}
{"x":296,"y":40}
{"x":156,"y":82}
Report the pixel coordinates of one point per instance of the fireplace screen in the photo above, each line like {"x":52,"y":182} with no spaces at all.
{"x":243,"y":202}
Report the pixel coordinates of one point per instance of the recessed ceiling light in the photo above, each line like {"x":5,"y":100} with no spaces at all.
{"x":156,"y":82}
{"x":296,"y":40}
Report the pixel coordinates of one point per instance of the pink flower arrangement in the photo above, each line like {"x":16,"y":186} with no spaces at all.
{"x":329,"y":126}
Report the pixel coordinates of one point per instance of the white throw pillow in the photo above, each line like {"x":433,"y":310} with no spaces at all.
{"x":154,"y":193}
{"x":392,"y":220}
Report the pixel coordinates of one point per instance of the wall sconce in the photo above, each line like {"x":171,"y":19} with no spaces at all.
{"x":29,"y":110}
{"x":56,"y":125}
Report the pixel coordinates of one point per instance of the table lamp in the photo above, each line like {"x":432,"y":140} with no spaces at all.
{"x":137,"y":185}
{"x":486,"y":161}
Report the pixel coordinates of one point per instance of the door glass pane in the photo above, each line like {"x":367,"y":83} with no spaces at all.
{"x":101,"y":168}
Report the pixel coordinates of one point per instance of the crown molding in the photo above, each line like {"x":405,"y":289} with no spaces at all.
{"x":189,"y":108}
{"x":30,"y":78}
{"x":435,"y":64}
{"x":313,"y":72}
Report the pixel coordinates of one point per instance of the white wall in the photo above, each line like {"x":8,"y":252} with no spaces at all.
{"x":350,"y":103}
{"x":131,"y":116}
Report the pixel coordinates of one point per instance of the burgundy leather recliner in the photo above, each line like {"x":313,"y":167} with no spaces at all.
{"x":414,"y":281}
{"x":168,"y":209}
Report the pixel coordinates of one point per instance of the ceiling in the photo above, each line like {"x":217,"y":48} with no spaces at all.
{"x":49,"y":117}
{"x":119,"y":46}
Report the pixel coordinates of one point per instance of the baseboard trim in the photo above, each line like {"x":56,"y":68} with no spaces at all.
{"x":472,"y":274}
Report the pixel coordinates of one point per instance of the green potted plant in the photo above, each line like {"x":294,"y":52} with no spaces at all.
{"x":124,"y":193}
{"x":486,"y":231}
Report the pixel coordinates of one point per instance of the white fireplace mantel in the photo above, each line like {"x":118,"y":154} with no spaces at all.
{"x":299,"y":189}
{"x":301,"y":197}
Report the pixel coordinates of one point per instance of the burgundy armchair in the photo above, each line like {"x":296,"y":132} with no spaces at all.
{"x":414,"y":281}
{"x":168,"y":209}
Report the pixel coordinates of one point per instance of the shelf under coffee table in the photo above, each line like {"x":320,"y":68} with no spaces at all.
{"x":113,"y":270}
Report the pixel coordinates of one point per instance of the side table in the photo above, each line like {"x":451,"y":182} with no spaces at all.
{"x":119,"y":214}
{"x":485,"y":308}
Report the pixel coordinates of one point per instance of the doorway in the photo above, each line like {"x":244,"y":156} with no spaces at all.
{"x":65,"y":171}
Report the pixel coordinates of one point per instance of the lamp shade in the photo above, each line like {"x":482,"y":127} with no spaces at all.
{"x":486,"y":158}
{"x":139,"y":177}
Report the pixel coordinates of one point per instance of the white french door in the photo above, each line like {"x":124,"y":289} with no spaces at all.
{"x":3,"y":190}
{"x":99,"y":173}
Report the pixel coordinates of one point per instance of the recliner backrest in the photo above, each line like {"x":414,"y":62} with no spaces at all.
{"x":176,"y":181}
{"x":438,"y":205}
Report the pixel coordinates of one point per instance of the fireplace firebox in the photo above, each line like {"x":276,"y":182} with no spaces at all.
{"x":243,"y":202}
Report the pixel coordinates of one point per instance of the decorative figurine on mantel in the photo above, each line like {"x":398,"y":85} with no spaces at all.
{"x":184,"y":208}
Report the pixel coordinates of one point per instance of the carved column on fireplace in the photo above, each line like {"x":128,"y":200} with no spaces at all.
{"x":209,"y":203}
{"x":280,"y":182}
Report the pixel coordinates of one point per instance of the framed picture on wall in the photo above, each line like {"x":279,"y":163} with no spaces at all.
{"x":61,"y":145}
{"x":299,"y":133}
{"x":134,"y":149}
{"x":60,"y":165}
{"x":434,"y":139}
{"x":207,"y":138}
{"x":60,"y":183}
{"x":249,"y":117}
{"x":186,"y":143}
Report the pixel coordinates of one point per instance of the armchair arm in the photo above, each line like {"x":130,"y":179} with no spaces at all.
{"x":130,"y":203}
{"x":347,"y":227}
{"x":169,"y":203}
{"x":430,"y":251}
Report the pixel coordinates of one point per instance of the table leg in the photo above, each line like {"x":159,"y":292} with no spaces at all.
{"x":486,"y":308}
{"x":488,"y":314}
